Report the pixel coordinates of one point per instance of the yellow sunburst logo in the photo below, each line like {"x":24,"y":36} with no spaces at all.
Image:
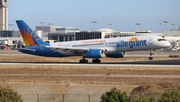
{"x":27,"y":36}
{"x":134,"y":39}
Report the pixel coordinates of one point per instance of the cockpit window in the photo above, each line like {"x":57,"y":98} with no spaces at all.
{"x":161,"y":39}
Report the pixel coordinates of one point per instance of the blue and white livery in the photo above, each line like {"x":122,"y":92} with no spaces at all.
{"x":94,"y":48}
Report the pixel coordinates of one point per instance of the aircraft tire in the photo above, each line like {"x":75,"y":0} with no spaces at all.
{"x":150,"y":58}
{"x":83,"y":61}
{"x":96,"y":61}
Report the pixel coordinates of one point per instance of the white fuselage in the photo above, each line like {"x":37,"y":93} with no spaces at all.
{"x":120,"y":44}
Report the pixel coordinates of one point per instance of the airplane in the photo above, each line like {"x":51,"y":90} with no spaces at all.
{"x":94,"y":48}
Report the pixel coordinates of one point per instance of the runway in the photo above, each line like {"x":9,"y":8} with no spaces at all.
{"x":168,"y":62}
{"x":151,"y":63}
{"x":90,"y":75}
{"x":24,"y":72}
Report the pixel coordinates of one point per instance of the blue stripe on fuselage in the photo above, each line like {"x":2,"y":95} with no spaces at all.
{"x":42,"y":51}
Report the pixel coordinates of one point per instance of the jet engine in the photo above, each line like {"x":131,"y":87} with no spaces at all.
{"x":116,"y":55}
{"x":95,"y":53}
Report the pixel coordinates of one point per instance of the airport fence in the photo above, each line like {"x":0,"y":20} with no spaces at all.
{"x":61,"y":98}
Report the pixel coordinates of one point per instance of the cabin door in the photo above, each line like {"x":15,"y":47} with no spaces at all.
{"x":151,"y":41}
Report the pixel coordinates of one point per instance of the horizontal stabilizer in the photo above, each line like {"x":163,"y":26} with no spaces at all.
{"x":27,"y":50}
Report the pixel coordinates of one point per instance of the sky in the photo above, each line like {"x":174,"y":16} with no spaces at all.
{"x":119,"y":15}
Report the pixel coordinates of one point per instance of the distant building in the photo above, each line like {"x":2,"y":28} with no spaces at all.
{"x":173,"y":36}
{"x":63,"y":34}
{"x":74,"y":34}
{"x":84,"y":35}
{"x":70,"y":34}
{"x":9,"y":33}
{"x":46,"y":29}
{"x":67,"y":30}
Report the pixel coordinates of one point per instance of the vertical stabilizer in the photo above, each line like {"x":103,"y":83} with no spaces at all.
{"x":29,"y":36}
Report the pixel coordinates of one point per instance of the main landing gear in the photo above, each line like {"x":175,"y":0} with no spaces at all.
{"x":151,"y":53}
{"x":96,"y":60}
{"x":83,"y":60}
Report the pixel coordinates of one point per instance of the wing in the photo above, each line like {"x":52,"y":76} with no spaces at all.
{"x":78,"y":50}
{"x":69,"y":50}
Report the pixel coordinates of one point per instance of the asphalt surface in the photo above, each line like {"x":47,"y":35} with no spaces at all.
{"x":171,"y":61}
{"x":30,"y":90}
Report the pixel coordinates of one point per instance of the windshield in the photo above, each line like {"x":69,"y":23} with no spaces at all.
{"x":161,"y":39}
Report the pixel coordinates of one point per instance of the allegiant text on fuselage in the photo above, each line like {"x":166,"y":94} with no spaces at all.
{"x":131,"y":44}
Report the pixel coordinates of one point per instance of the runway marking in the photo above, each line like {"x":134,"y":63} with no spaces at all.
{"x":91,"y":64}
{"x":98,"y":75}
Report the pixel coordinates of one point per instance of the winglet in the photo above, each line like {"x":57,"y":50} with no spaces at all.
{"x":29,"y":36}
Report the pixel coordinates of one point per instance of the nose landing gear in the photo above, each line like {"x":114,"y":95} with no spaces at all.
{"x":151,"y":53}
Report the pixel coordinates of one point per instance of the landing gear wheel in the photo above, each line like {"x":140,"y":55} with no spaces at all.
{"x":150,"y":58}
{"x":96,"y":61}
{"x":83,"y":61}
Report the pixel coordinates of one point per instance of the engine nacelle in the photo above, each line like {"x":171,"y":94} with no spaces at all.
{"x":95,"y":53}
{"x":116,"y":55}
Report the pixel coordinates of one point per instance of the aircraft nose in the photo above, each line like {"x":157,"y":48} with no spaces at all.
{"x":168,"y":44}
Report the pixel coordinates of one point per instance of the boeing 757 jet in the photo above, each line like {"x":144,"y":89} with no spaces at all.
{"x":94,"y":48}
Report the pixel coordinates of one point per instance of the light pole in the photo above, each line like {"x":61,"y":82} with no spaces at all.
{"x":160,"y":27}
{"x":173,"y":33}
{"x":110,"y":24}
{"x":94,"y":28}
{"x":42,"y":27}
{"x":165,"y":28}
{"x":173,"y":27}
{"x":49,"y":24}
{"x":42,"y":23}
{"x":138,"y":24}
{"x":10,"y":26}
